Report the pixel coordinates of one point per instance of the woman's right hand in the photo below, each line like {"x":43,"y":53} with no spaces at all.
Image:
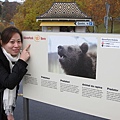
{"x":25,"y":55}
{"x":10,"y":117}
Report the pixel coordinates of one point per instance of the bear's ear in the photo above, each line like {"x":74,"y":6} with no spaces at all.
{"x":84,"y":47}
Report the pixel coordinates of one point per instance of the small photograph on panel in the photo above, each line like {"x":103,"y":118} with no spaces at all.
{"x":72,"y":55}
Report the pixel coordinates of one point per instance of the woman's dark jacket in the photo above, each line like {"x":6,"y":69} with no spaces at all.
{"x":8,"y":80}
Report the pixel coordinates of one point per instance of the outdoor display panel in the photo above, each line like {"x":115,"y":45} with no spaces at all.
{"x":77,"y":71}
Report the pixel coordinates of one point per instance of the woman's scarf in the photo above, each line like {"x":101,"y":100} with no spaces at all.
{"x":9,"y":96}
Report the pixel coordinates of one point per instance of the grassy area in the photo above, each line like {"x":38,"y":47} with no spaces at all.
{"x":102,"y":29}
{"x":116,"y":27}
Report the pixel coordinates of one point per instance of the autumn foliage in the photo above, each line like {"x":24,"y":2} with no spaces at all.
{"x":25,"y":18}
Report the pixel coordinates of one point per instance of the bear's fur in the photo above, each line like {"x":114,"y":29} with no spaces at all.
{"x":77,"y":61}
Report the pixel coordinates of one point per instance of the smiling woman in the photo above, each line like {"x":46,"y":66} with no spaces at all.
{"x":14,"y":45}
{"x":12,"y":69}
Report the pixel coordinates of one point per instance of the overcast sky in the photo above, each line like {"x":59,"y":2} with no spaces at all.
{"x":14,"y":0}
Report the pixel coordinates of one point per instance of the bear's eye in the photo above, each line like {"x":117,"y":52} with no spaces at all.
{"x":70,"y":49}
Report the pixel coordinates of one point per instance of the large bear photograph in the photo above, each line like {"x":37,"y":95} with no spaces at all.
{"x":72,"y":55}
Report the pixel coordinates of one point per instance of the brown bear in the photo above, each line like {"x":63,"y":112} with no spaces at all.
{"x":77,"y":61}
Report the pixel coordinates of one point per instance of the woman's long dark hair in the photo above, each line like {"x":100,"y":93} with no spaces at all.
{"x":8,"y":32}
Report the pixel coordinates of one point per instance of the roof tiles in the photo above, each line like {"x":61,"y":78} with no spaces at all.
{"x":63,"y":10}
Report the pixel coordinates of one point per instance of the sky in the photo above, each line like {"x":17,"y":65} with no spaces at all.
{"x":14,"y":0}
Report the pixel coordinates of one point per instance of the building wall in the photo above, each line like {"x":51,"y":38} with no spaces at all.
{"x":80,"y":29}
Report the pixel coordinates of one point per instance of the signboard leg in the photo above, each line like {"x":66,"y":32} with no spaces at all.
{"x":26,"y":108}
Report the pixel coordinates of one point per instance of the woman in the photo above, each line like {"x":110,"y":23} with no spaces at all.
{"x":12,"y":69}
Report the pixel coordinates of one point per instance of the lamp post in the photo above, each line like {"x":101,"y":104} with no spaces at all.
{"x":107,"y":12}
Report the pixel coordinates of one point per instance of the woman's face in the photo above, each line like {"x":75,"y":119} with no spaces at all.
{"x":14,"y":45}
